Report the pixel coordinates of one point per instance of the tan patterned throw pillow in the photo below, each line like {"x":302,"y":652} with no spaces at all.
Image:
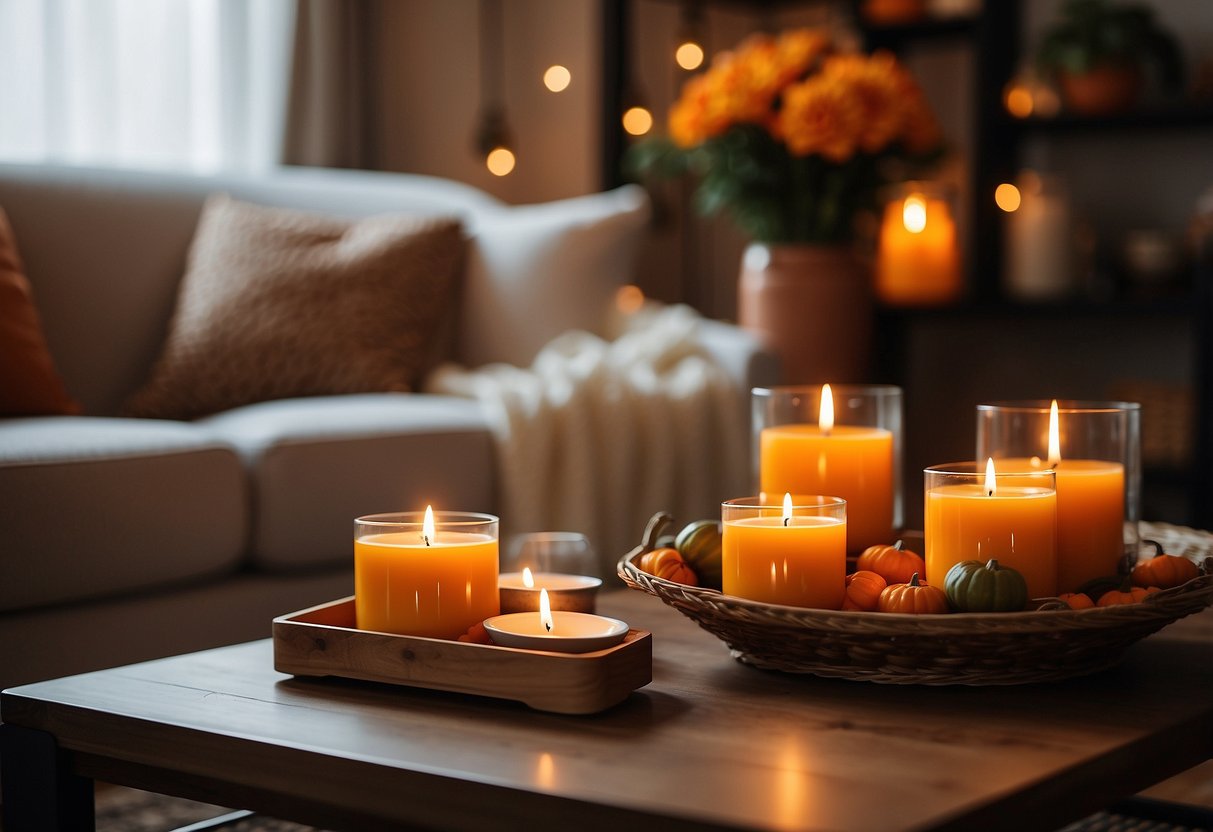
{"x":276,"y":304}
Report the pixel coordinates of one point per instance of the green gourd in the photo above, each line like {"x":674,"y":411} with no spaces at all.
{"x":973,"y":586}
{"x":699,"y":543}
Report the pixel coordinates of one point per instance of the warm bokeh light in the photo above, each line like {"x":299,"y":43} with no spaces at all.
{"x":1018,"y":101}
{"x":500,"y":161}
{"x":629,"y":299}
{"x":1006,"y":196}
{"x":557,"y":78}
{"x":637,"y":121}
{"x":914,"y":213}
{"x":689,"y":55}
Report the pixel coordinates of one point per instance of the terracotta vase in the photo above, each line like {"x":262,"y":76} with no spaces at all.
{"x":812,"y":306}
{"x":1105,"y":90}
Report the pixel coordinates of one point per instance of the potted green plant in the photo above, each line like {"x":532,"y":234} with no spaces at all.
{"x":1098,"y":53}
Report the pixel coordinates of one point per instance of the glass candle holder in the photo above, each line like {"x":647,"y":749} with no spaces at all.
{"x":413,"y":581}
{"x":1095,"y":449}
{"x":787,"y":550}
{"x":854,"y":453}
{"x":980,"y":511}
{"x":563,"y":563}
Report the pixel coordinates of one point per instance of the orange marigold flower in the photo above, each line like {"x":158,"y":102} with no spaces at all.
{"x":875,"y":85}
{"x":819,"y":116}
{"x":798,"y":50}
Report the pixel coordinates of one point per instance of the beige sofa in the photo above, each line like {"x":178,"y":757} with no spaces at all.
{"x":125,"y":539}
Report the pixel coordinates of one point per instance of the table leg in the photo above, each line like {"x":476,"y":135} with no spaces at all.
{"x":37,"y":789}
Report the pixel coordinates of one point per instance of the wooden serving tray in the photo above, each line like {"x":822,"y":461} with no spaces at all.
{"x":322,"y":641}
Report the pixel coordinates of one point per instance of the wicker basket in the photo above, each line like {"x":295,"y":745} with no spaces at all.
{"x":958,"y":649}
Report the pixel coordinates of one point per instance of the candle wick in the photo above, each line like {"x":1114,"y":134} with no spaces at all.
{"x":548,"y":626}
{"x":426,"y":538}
{"x":785,"y":520}
{"x":990,"y":493}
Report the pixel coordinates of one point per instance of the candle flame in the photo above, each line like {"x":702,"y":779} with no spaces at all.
{"x":1054,"y":436}
{"x":528,"y":580}
{"x":914,"y":213}
{"x":427,"y":526}
{"x":545,"y":611}
{"x":991,"y":480}
{"x":787,"y":508}
{"x":825,"y":416}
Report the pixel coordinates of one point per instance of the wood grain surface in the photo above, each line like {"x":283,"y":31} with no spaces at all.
{"x":709,"y":744}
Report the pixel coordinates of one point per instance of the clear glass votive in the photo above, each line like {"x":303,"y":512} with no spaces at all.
{"x":563,"y":563}
{"x":1006,"y":514}
{"x":785,"y":551}
{"x":1097,"y":457}
{"x":855,"y":452}
{"x":411,"y":581}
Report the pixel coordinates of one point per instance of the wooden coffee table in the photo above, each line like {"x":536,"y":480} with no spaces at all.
{"x":710,"y":744}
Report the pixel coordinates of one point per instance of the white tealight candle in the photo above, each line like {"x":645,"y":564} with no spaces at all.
{"x":558,"y":631}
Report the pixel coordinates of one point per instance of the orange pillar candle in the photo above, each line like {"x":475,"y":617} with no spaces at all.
{"x":794,"y":556}
{"x":917,"y":261}
{"x":1090,"y":511}
{"x":970,"y":517}
{"x":854,"y":463}
{"x":423,"y":576}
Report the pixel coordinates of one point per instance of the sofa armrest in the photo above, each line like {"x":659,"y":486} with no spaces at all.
{"x":741,"y":354}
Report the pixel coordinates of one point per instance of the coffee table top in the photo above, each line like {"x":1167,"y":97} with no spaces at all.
{"x":709,"y":744}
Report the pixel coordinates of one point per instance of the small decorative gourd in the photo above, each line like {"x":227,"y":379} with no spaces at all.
{"x":1164,"y":571}
{"x":913,"y":597}
{"x":863,"y":591}
{"x":973,"y":586}
{"x":893,"y":563}
{"x":1126,"y":595}
{"x":668,"y":564}
{"x":700,"y":543}
{"x":1076,"y":600}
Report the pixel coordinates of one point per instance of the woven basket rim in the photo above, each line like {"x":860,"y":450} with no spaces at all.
{"x":1165,"y":606}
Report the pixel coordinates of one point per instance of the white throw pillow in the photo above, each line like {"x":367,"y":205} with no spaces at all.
{"x":535,"y":271}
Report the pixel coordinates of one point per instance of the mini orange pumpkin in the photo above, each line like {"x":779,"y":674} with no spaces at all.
{"x":1077,"y":600}
{"x":893,"y":563}
{"x":863,"y":591}
{"x":1131,"y":595}
{"x":913,"y":597}
{"x":1163,"y":570}
{"x":667,"y":563}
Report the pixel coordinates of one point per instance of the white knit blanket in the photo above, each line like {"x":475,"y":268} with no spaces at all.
{"x":598,"y":435}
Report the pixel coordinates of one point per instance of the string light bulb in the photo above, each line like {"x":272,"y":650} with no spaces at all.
{"x":689,"y":55}
{"x":557,"y":78}
{"x":637,"y":120}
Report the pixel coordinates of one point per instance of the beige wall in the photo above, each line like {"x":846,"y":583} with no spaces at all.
{"x":427,"y":59}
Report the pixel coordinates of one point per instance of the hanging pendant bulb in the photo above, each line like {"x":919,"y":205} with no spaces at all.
{"x":689,"y":53}
{"x":494,"y":142}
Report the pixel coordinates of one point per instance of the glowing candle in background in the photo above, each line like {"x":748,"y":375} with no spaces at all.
{"x":793,"y":554}
{"x":918,"y":259}
{"x":425,"y":575}
{"x":976,"y":515}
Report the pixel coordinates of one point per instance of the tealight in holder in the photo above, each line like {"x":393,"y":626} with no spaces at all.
{"x":1095,"y":449}
{"x":841,"y":439}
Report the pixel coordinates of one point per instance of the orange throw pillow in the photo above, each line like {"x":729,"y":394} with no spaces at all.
{"x":29,"y":383}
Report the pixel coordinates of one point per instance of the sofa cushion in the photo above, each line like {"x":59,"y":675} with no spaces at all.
{"x":535,"y":271}
{"x":94,"y":507}
{"x":29,"y":383}
{"x":276,"y":304}
{"x":318,"y":463}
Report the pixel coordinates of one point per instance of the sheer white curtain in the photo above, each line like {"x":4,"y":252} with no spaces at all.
{"x":197,"y":85}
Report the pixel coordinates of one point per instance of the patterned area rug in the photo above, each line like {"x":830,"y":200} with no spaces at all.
{"x":120,"y":809}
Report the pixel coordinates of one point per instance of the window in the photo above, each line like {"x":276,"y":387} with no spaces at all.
{"x":197,"y":85}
